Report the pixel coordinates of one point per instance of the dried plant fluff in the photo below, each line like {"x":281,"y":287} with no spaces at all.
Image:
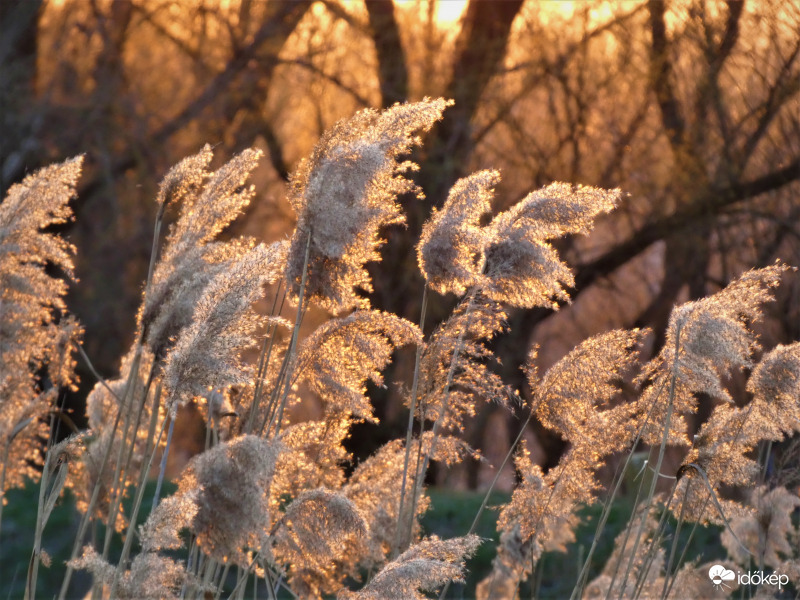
{"x":767,"y":532}
{"x":705,"y":340}
{"x":510,"y":566}
{"x":126,"y":396}
{"x":339,"y":358}
{"x":345,"y":192}
{"x":692,"y":581}
{"x":522,"y":269}
{"x":183,"y":182}
{"x":775,"y":385}
{"x":450,"y":249}
{"x":151,"y":575}
{"x":313,"y":455}
{"x":542,"y":507}
{"x":35,"y":338}
{"x":374,"y":487}
{"x":456,"y":385}
{"x":425,"y":566}
{"x":573,"y":397}
{"x":312,"y":534}
{"x":191,"y":260}
{"x":724,"y":444}
{"x":233,"y":480}
{"x":206,"y":353}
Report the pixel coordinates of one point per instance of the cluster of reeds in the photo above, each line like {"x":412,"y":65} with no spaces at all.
{"x":270,"y":499}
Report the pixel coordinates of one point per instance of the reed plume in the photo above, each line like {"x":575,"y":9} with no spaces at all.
{"x":206,"y":352}
{"x":454,"y":371}
{"x":231,"y":484}
{"x":425,"y":566}
{"x":610,"y":582}
{"x":450,"y":252}
{"x":339,"y":358}
{"x":311,"y":537}
{"x":573,"y":399}
{"x":705,"y":340}
{"x":345,"y":193}
{"x":314,"y":456}
{"x":36,"y":336}
{"x":522,"y":268}
{"x":152,"y":576}
{"x":767,"y":533}
{"x":288,"y":502}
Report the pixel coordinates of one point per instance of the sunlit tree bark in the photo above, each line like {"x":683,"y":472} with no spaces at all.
{"x":18,"y":31}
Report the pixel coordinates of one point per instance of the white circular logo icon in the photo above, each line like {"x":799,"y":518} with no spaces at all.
{"x":719,"y":575}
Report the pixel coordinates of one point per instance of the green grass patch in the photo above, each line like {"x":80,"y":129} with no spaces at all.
{"x":451,"y":515}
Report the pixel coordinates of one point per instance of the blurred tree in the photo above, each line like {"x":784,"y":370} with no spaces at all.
{"x":19,"y":21}
{"x":690,"y":106}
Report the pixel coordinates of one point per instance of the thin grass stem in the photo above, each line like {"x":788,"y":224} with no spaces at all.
{"x":419,"y":475}
{"x":163,"y":467}
{"x":659,"y":461}
{"x":47,"y":501}
{"x":674,"y":545}
{"x":410,"y":426}
{"x":293,"y":343}
{"x":122,"y":470}
{"x":96,"y":490}
{"x":150,"y":451}
{"x":3,"y":472}
{"x":263,"y":362}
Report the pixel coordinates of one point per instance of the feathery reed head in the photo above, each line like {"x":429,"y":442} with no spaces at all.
{"x":425,"y":566}
{"x":767,"y":532}
{"x":206,"y":353}
{"x":233,"y":480}
{"x":573,"y":395}
{"x":522,"y":269}
{"x":705,"y":340}
{"x":191,"y":260}
{"x":339,"y":358}
{"x":36,"y":338}
{"x":345,"y":192}
{"x":313,"y":455}
{"x":450,"y":250}
{"x":455,"y":369}
{"x":183,"y":182}
{"x":312,"y":534}
{"x":775,"y":385}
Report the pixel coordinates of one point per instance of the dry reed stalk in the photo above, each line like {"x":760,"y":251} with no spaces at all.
{"x":273,"y":497}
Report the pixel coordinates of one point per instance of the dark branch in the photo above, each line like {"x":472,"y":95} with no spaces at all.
{"x":279,"y":25}
{"x":480,"y":49}
{"x":661,"y":75}
{"x":392,"y":71}
{"x":657,"y":230}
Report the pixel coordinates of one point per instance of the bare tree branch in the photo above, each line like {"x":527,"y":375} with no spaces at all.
{"x":277,"y":27}
{"x":392,"y":71}
{"x":480,"y":48}
{"x":661,"y":75}
{"x":786,"y":86}
{"x":689,"y":214}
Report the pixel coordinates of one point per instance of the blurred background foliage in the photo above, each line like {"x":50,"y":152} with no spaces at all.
{"x":691,"y":107}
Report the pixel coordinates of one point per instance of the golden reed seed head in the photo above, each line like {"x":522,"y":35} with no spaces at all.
{"x":345,"y":193}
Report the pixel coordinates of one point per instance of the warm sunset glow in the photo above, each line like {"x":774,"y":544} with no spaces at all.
{"x":446,"y":12}
{"x":449,"y":11}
